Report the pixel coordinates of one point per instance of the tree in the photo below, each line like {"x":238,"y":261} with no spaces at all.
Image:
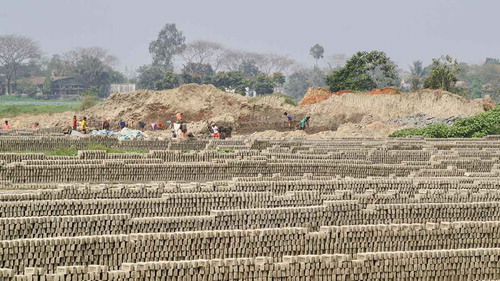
{"x":199,"y":69}
{"x":316,"y":77}
{"x":170,"y":80}
{"x":92,"y":66}
{"x":47,"y":85}
{"x":303,"y":78}
{"x":16,"y":51}
{"x":89,"y":98}
{"x":94,"y":73}
{"x":336,"y":61}
{"x":317,"y":52}
{"x":491,"y":61}
{"x":363,"y":72}
{"x":417,"y":74}
{"x":443,"y":74}
{"x":59,"y":66}
{"x":269,"y":63}
{"x":263,"y":84}
{"x":231,"y":60}
{"x":231,"y":81}
{"x":203,"y":52}
{"x":249,"y":68}
{"x":279,"y":80}
{"x":148,"y":76}
{"x":169,"y":43}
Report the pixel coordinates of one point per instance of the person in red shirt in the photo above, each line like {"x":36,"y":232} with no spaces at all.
{"x":6,"y":125}
{"x":75,"y":123}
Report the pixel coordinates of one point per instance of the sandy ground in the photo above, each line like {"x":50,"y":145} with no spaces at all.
{"x":340,"y":114}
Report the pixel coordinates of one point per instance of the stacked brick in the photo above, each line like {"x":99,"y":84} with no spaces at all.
{"x":357,"y":209}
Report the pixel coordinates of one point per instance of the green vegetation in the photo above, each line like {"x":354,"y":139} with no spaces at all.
{"x":7,"y":110}
{"x":62,"y":151}
{"x":14,"y":105}
{"x":443,"y":74}
{"x":487,"y":123}
{"x":317,"y":52}
{"x":288,"y":99}
{"x":89,"y":98}
{"x":364,"y":71}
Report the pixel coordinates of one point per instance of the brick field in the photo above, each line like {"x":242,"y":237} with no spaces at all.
{"x":289,"y":209}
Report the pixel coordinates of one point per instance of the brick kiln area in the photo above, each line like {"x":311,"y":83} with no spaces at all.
{"x":250,"y":209}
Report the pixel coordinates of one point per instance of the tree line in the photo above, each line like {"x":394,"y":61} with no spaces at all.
{"x":176,"y":61}
{"x":22,"y":57}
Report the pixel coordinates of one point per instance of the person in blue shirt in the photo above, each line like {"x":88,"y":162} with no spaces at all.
{"x":288,"y":121}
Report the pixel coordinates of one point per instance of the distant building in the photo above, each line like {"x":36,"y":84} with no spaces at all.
{"x":122,"y":88}
{"x":61,"y":87}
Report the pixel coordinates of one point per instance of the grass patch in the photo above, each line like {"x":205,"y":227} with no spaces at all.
{"x":486,"y":123}
{"x":96,"y":146}
{"x":62,"y":151}
{"x":9,"y":110}
{"x":288,"y":99}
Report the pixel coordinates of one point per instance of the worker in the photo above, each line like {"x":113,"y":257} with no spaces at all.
{"x":288,"y":121}
{"x":74,"y":123}
{"x":105,"y":125}
{"x":154,"y":126}
{"x":84,"y":125}
{"x":183,"y":129}
{"x":180,"y":128}
{"x":6,"y":125}
{"x":215,"y":131}
{"x":304,"y":123}
{"x":122,"y":124}
{"x":142,"y":125}
{"x":179,"y":116}
{"x":36,"y":125}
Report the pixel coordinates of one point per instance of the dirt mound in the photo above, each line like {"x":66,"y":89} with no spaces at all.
{"x":318,"y":94}
{"x":384,"y":91}
{"x":340,"y":114}
{"x":432,"y":103}
{"x":201,"y":105}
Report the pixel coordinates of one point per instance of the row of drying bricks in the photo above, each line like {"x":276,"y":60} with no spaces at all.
{"x":275,"y":183}
{"x":96,"y":233}
{"x":209,"y":170}
{"x":463,"y":264}
{"x":120,"y":172}
{"x":30,"y":220}
{"x":210,"y":198}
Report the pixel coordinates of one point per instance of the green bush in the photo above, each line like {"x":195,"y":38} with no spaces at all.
{"x":88,"y":99}
{"x":98,"y":146}
{"x":63,"y":151}
{"x":487,"y":123}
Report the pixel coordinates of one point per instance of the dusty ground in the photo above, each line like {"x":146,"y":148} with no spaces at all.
{"x":343,"y":114}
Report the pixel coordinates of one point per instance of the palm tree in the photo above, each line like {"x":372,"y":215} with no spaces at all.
{"x":417,"y":74}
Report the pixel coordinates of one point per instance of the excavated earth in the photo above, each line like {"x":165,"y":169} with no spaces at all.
{"x":341,"y":114}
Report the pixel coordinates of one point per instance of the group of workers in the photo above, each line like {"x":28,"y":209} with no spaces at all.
{"x":304,"y":123}
{"x":178,"y":128}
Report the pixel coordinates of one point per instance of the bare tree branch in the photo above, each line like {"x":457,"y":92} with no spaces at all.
{"x":16,"y":51}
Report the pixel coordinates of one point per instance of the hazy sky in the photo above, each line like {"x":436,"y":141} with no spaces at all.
{"x":405,"y":30}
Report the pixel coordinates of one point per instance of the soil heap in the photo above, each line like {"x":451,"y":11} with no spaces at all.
{"x":338,"y":114}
